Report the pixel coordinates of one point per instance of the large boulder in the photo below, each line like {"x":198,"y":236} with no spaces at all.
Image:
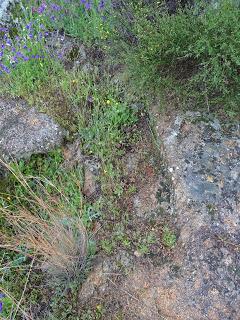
{"x":202,"y":281}
{"x":25,"y":131}
{"x":204,"y":160}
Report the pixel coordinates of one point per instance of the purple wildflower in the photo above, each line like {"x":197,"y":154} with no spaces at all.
{"x":88,"y":5}
{"x":29,"y":26}
{"x":56,"y":7}
{"x":15,"y":59}
{"x":19,"y":54}
{"x":4,"y":68}
{"x":101,"y":5}
{"x":8,"y":42}
{"x":2,"y":29}
{"x":2,"y":295}
{"x":42,"y":8}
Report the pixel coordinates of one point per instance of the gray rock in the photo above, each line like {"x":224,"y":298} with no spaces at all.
{"x":24,"y":131}
{"x":206,"y":184}
{"x":4,"y":5}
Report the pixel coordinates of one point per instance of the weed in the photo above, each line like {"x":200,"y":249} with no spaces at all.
{"x":169,"y":238}
{"x":146,"y":242}
{"x":42,"y":222}
{"x":105,"y":129}
{"x":96,"y":314}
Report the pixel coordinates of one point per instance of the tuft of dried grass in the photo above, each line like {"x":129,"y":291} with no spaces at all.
{"x":45,"y":229}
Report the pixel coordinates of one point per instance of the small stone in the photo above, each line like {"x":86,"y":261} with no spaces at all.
{"x":90,"y":185}
{"x":72,"y":154}
{"x":137,"y":254}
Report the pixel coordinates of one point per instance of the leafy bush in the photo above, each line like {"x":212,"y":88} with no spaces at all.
{"x":27,"y":61}
{"x":196,"y":49}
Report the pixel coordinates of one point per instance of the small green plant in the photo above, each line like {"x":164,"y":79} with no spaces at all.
{"x":144,"y":243}
{"x":45,"y":170}
{"x":108,"y":246}
{"x":15,"y":268}
{"x":169,"y":238}
{"x":96,"y":314}
{"x":7,"y":305}
{"x":26,"y":62}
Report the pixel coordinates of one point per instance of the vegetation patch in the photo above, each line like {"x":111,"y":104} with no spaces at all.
{"x":193,"y":53}
{"x":96,"y":66}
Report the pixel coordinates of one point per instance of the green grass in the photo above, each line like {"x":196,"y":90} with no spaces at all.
{"x":44,"y":81}
{"x":193,"y":53}
{"x":90,"y":26}
{"x":105,"y":129}
{"x":42,"y":173}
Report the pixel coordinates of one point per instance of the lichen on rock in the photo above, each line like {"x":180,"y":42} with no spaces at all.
{"x":25,"y":131}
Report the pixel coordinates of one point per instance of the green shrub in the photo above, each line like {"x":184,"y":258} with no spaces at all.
{"x":196,"y":50}
{"x":217,"y":48}
{"x":26,"y":61}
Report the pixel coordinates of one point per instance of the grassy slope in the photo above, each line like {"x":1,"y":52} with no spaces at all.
{"x":100,"y":109}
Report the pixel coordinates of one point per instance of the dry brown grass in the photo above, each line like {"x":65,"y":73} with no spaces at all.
{"x":44,"y":227}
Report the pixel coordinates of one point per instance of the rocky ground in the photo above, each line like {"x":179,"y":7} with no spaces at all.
{"x":24,"y":131}
{"x":199,"y":277}
{"x":188,"y":179}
